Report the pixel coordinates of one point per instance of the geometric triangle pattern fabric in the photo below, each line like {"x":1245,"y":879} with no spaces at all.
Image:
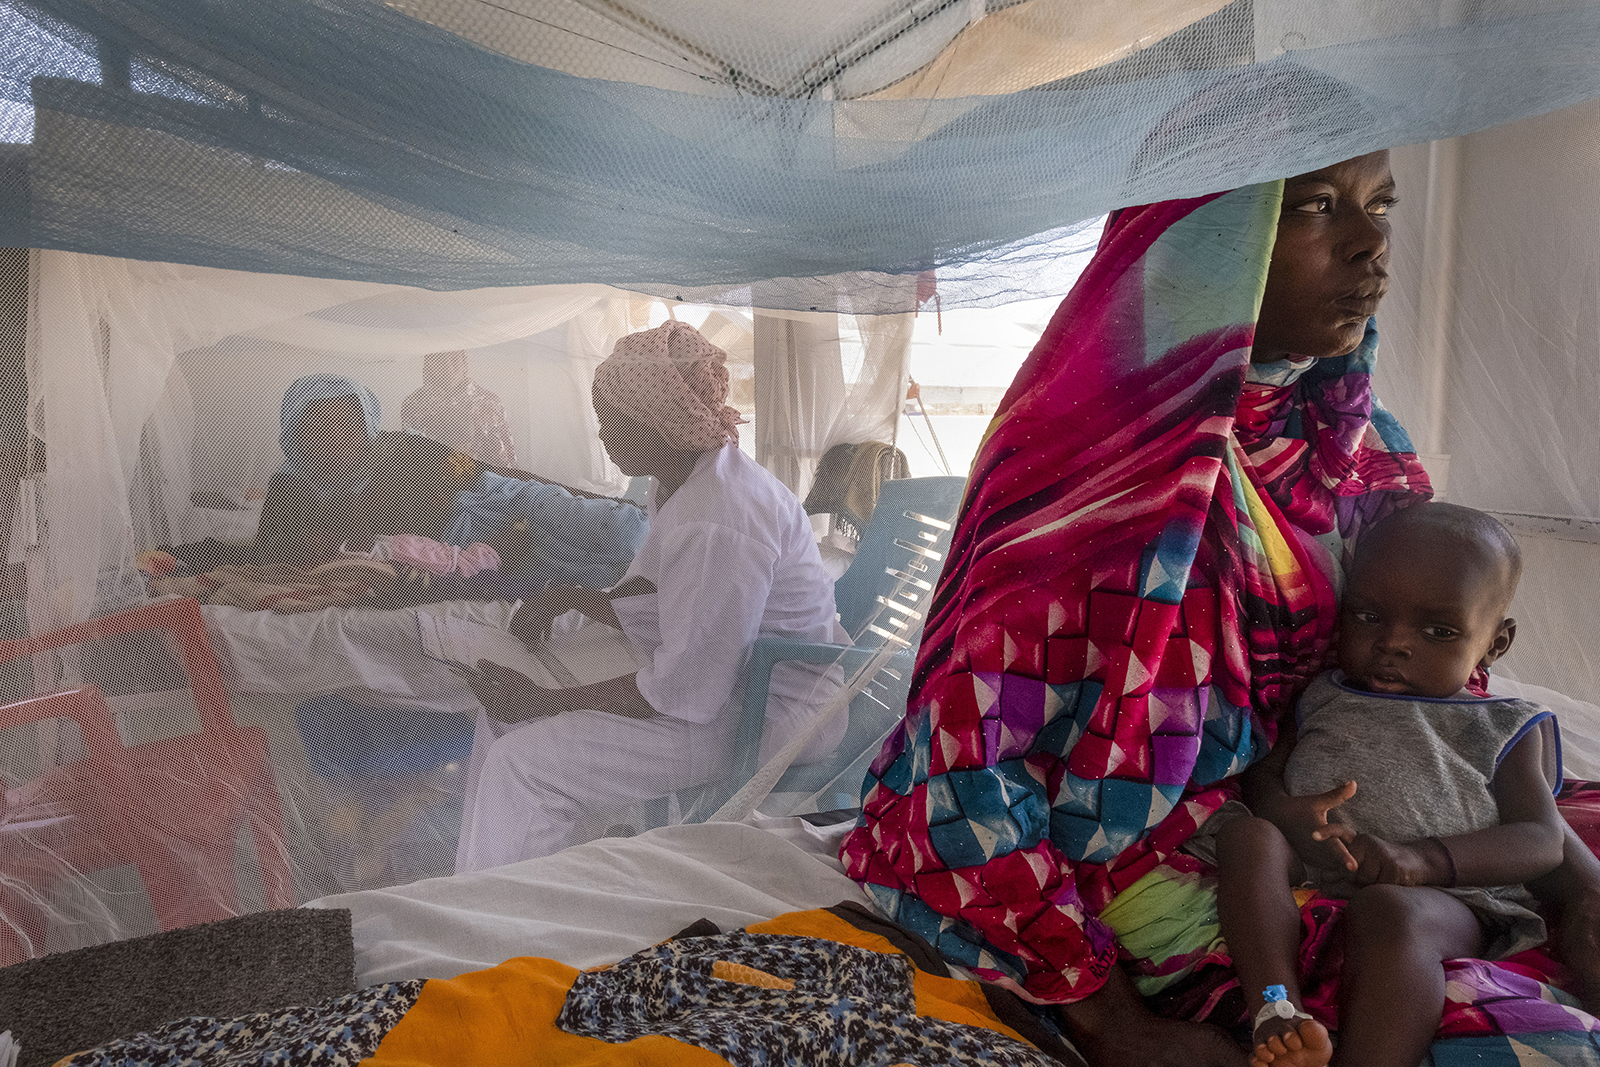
{"x":1125,"y":611}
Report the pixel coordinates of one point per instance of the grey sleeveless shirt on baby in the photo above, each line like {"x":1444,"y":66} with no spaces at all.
{"x":1424,"y":767}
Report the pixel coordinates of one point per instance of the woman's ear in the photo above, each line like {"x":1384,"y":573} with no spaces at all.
{"x":1501,"y":644}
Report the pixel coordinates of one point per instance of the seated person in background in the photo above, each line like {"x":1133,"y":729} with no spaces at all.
{"x":330,"y":440}
{"x":1437,"y":797}
{"x":729,"y":558}
{"x":344,"y":483}
{"x":452,"y":408}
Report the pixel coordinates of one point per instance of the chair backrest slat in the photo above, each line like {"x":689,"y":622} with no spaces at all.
{"x":898,"y":563}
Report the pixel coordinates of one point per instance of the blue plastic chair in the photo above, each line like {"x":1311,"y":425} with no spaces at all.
{"x":638,"y":490}
{"x":882,"y":599}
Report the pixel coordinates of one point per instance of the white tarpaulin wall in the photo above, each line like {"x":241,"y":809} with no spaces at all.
{"x":154,"y":384}
{"x":1491,"y":340}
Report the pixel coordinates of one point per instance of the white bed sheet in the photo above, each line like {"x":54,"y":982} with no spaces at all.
{"x":374,"y":656}
{"x":598,"y":902}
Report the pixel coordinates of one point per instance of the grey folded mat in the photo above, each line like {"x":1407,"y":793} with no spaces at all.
{"x":71,"y":1001}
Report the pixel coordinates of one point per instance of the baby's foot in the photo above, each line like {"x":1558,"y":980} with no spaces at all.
{"x":1291,"y":1043}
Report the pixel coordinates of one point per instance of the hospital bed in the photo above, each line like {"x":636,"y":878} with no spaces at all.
{"x":600,"y":901}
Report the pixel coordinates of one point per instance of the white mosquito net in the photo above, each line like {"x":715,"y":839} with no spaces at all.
{"x":463,"y":206}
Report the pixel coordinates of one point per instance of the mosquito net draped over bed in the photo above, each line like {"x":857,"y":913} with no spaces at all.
{"x":463,"y":206}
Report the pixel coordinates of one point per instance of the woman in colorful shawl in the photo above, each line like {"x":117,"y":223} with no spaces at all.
{"x":1142,"y":580}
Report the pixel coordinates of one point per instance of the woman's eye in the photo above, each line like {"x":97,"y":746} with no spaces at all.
{"x":1382,"y":207}
{"x":1317,"y":205}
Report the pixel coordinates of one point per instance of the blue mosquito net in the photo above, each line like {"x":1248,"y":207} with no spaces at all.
{"x":349,"y":139}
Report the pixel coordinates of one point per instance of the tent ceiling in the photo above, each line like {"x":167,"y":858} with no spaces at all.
{"x":843,"y":48}
{"x":710,"y":147}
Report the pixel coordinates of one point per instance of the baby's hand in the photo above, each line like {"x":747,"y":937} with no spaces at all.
{"x":1304,"y":821}
{"x":1374,"y":861}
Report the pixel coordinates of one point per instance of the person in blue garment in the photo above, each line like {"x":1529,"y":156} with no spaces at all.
{"x":344,"y":481}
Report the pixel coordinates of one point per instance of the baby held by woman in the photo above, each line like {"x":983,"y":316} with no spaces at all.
{"x":1403,"y":788}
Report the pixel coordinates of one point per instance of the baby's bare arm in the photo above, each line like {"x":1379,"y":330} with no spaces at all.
{"x":1529,"y":839}
{"x":1298,"y":818}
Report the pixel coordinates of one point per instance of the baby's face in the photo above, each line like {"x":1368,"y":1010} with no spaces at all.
{"x":1418,"y":622}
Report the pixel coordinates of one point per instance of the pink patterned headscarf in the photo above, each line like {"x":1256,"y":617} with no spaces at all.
{"x":674,"y":381}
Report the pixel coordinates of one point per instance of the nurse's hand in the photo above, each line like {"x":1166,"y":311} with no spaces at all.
{"x":530,"y":623}
{"x":509,"y":696}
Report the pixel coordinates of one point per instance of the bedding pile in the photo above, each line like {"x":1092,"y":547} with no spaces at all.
{"x":400,"y":567}
{"x":436,"y":991}
{"x":285,"y":590}
{"x":831,"y":986}
{"x":824,"y":987}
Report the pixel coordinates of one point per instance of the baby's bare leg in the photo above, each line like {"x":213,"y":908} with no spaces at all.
{"x":1260,"y":923}
{"x":1392,"y":988}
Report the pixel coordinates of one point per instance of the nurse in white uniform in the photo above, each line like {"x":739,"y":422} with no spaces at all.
{"x":729,"y":557}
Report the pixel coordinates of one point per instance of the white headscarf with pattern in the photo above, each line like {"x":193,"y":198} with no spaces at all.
{"x":674,"y":381}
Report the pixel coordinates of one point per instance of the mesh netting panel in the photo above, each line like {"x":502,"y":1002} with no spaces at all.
{"x":352,"y":140}
{"x":147,"y":804}
{"x":238,"y":671}
{"x":342,"y":597}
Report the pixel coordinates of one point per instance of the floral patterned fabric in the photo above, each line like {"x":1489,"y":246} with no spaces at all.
{"x":757,"y":999}
{"x":337,"y":1033}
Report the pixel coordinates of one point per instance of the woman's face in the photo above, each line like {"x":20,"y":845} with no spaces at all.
{"x":331,"y":434}
{"x":635,"y":448}
{"x":1330,"y":264}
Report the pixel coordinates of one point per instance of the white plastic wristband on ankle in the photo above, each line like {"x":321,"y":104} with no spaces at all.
{"x":1277,"y":1006}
